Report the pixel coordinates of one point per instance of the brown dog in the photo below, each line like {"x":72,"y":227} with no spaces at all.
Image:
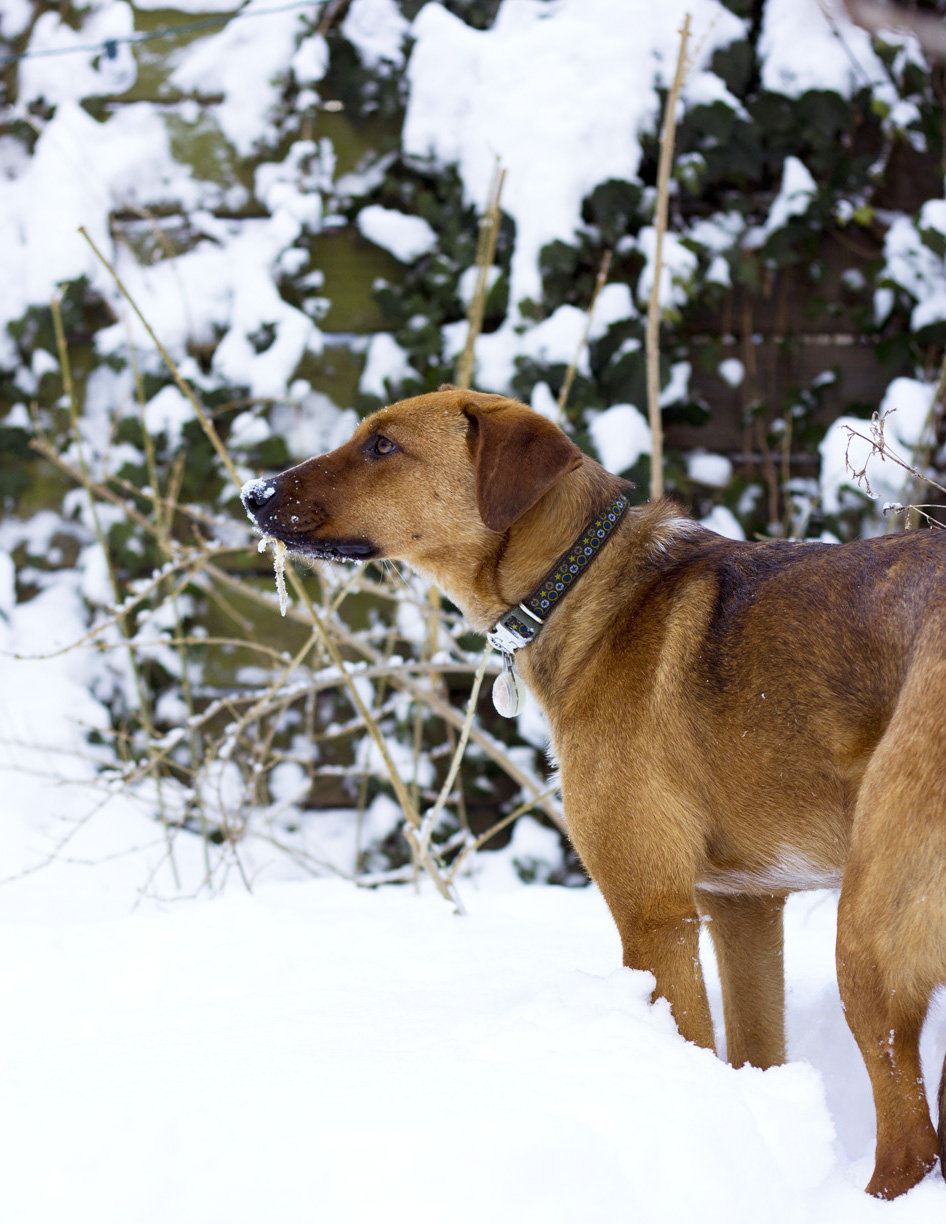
{"x":734,"y":721}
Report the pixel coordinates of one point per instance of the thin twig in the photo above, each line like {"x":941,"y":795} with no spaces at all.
{"x":486,"y":252}
{"x":205,"y":422}
{"x":498,"y":827}
{"x":667,"y":137}
{"x":407,"y":807}
{"x":924,"y":445}
{"x":572,"y":370}
{"x":432,"y":816}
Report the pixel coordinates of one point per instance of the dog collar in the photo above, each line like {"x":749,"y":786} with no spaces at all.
{"x":521,"y":624}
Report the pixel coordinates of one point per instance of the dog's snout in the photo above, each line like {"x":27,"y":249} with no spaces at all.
{"x":256,"y":493}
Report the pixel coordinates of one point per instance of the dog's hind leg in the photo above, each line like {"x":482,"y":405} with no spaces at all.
{"x":891,"y":946}
{"x":886,"y":1021}
{"x":747,"y":937}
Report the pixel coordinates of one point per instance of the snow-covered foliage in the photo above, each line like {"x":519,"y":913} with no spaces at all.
{"x":284,"y":203}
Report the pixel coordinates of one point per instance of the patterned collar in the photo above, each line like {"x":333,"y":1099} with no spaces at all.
{"x":521,"y":624}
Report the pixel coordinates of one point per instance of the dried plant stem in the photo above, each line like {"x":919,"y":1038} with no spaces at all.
{"x":84,"y":476}
{"x":491,"y":747}
{"x":667,"y":137}
{"x":409,"y":809}
{"x":205,"y":422}
{"x":498,"y":827}
{"x":48,"y":451}
{"x":249,"y":729}
{"x":921,"y":453}
{"x":423,"y":856}
{"x":486,"y":252}
{"x":432,"y":816}
{"x":572,"y":370}
{"x":164,"y":519}
{"x":397,"y":782}
{"x":434,"y":613}
{"x":261,"y":701}
{"x":120,"y":620}
{"x":786,"y":475}
{"x":880,"y":447}
{"x":403,"y":680}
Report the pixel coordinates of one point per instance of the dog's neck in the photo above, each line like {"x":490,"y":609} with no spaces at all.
{"x":515,"y":563}
{"x":521,"y":625}
{"x":540,"y":537}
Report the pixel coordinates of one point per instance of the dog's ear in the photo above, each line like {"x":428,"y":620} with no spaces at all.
{"x":518,"y":456}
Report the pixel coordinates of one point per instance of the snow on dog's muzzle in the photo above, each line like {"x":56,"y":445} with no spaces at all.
{"x":255,"y":494}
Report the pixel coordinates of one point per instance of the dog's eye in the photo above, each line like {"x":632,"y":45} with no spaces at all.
{"x":380,"y":445}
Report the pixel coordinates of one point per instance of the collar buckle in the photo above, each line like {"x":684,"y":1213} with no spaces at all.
{"x":513,"y":631}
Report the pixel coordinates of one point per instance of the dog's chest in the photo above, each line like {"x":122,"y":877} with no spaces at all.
{"x":789,"y":872}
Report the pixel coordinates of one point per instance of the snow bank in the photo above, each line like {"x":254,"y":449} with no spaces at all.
{"x":378,"y":30}
{"x":68,"y":843}
{"x":714,"y":471}
{"x":386,"y":363}
{"x":621,"y":434}
{"x":223,"y":288}
{"x":247,"y":62}
{"x":722,"y":520}
{"x":254,"y":1057}
{"x":44,"y":76}
{"x":79,"y":171}
{"x":912,"y":265}
{"x":794,"y":198}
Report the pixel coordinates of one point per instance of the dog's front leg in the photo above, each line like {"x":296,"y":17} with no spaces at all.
{"x":663,"y":936}
{"x":658,"y":923}
{"x":640,"y":845}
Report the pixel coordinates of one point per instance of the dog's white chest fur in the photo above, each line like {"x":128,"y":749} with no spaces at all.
{"x":791,"y":872}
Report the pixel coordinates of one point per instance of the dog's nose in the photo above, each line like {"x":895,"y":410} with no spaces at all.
{"x":256,"y":493}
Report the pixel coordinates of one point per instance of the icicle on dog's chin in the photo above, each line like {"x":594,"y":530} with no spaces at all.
{"x":280,"y":553}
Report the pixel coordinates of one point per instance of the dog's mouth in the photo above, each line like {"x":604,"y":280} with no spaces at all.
{"x":327,"y":549}
{"x":333,"y":550}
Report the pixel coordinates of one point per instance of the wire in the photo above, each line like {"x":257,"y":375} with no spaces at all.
{"x":109,"y":46}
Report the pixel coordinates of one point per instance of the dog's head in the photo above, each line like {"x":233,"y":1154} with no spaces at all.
{"x":440,"y":475}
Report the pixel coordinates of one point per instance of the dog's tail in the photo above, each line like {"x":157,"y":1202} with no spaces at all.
{"x":941,"y":1127}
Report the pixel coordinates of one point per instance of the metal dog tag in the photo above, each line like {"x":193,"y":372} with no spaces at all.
{"x":509,"y":690}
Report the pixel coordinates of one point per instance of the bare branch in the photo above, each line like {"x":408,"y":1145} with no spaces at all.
{"x":667,"y":137}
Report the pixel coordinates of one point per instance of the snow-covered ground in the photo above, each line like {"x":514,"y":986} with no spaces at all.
{"x":315,"y":1052}
{"x":309,"y":1050}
